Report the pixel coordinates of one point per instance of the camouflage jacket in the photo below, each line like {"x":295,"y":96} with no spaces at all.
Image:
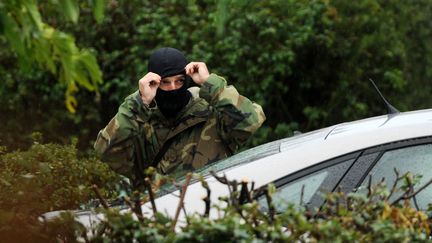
{"x":211,"y":127}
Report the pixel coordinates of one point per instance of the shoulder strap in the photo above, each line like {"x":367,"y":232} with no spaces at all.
{"x":162,"y":151}
{"x":139,"y":168}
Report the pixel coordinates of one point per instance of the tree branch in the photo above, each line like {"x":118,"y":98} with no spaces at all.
{"x":405,"y":196}
{"x":147,"y":184}
{"x":182,"y":196}
{"x":99,"y":196}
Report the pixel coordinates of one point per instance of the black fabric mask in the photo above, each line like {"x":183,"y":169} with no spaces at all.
{"x":168,"y":62}
{"x":170,"y":103}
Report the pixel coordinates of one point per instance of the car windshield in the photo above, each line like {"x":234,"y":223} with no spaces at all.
{"x":250,"y":155}
{"x":230,"y":162}
{"x":261,"y":152}
{"x":242,"y":158}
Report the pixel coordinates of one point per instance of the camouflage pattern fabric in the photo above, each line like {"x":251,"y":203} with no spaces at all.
{"x":211,"y":127}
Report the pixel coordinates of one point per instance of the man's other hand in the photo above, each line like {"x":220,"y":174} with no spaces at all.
{"x":148,"y":86}
{"x":198,"y":72}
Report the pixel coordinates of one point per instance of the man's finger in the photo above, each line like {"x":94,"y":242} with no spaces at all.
{"x":154,"y":83}
{"x":154,"y":74}
{"x":155,"y":77}
{"x":188,"y":68}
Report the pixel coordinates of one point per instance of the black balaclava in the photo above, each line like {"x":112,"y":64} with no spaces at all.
{"x":168,"y":62}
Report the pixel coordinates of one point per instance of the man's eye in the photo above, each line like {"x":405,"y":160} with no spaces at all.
{"x":180,"y":81}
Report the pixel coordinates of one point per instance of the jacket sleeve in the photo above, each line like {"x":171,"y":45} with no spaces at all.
{"x":237,"y":117}
{"x":117,"y":141}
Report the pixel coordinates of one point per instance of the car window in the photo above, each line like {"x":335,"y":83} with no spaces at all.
{"x":242,"y":157}
{"x":313,"y":186}
{"x":291,"y":193}
{"x":415,"y":159}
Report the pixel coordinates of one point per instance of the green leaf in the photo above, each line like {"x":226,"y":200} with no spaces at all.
{"x":70,"y":102}
{"x":44,"y":167}
{"x":34,"y":13}
{"x":12,"y":34}
{"x":271,"y":189}
{"x":89,"y":62}
{"x":98,"y":10}
{"x":71,"y":10}
{"x":42,"y":52}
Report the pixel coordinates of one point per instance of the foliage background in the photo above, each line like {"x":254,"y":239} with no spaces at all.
{"x":306,"y":62}
{"x":45,"y":178}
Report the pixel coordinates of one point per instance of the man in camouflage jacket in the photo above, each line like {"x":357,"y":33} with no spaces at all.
{"x":175,"y":129}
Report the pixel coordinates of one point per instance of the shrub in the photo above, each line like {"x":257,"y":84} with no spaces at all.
{"x":46,"y":177}
{"x":352,"y":217}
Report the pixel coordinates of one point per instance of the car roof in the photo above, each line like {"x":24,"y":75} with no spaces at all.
{"x":308,"y":149}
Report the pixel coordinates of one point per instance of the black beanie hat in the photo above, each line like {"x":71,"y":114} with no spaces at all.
{"x":167,"y":62}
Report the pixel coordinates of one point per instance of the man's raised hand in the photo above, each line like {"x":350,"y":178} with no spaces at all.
{"x":198,"y":72}
{"x":148,"y":86}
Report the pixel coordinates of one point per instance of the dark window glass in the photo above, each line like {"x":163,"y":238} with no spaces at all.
{"x":415,"y":159}
{"x":313,"y":185}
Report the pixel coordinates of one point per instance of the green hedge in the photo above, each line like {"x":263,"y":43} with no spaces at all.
{"x":307,"y":62}
{"x":44,"y":178}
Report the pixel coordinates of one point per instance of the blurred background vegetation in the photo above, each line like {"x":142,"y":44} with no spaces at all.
{"x":306,"y":62}
{"x":65,"y":67}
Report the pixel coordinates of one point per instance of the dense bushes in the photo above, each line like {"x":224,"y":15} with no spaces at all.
{"x":51,"y":177}
{"x":298,"y":59}
{"x":44,"y":178}
{"x":343,"y":218}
